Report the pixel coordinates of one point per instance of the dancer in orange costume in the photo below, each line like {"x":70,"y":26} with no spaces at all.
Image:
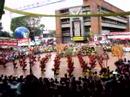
{"x":117,"y":51}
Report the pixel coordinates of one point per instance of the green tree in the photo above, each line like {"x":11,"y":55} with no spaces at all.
{"x":4,"y":34}
{"x":41,"y":27}
{"x":32,"y":23}
{"x":17,"y":22}
{"x":53,"y":32}
{"x":37,"y":32}
{"x":90,"y":36}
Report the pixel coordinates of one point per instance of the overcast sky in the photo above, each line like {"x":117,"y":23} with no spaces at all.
{"x":50,"y":9}
{"x":123,"y":4}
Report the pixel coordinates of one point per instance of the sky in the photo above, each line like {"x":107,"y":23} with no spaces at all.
{"x":49,"y":9}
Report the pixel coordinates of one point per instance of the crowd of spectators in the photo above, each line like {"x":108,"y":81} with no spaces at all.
{"x":116,"y":84}
{"x":8,"y":55}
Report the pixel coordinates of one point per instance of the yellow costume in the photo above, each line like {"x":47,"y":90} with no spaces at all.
{"x":117,"y":51}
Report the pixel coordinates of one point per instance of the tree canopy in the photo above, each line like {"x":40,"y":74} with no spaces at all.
{"x":32,"y":23}
{"x":19,"y":21}
{"x":4,"y":34}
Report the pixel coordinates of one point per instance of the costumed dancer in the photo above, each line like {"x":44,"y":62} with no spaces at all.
{"x":14,"y":64}
{"x":100,"y":61}
{"x":70,"y":66}
{"x":92,"y":61}
{"x":43,"y":64}
{"x":106,"y":58}
{"x":24,"y":65}
{"x":56,"y":65}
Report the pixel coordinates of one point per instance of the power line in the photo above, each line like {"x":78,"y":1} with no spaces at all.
{"x":40,"y":4}
{"x":69,"y":15}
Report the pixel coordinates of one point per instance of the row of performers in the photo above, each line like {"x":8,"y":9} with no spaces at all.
{"x":23,"y":61}
{"x":93,"y":61}
{"x":56,"y":65}
{"x":70,"y":65}
{"x":43,"y":62}
{"x":32,"y":60}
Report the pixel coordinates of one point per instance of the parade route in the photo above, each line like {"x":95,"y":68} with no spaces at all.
{"x":9,"y":70}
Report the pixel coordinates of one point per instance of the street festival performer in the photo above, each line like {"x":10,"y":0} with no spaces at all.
{"x":83,"y":65}
{"x":92,"y":60}
{"x":99,"y":52}
{"x":14,"y":64}
{"x":117,"y":51}
{"x":43,"y":62}
{"x":105,"y":58}
{"x":101,"y":57}
{"x":56,"y":65}
{"x":23,"y":63}
{"x":70,"y":66}
{"x":60,"y":48}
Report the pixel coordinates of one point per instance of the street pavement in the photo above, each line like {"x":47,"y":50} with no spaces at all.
{"x":9,"y":70}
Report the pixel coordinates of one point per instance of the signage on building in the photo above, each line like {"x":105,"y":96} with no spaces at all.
{"x":76,"y":26}
{"x":77,"y":31}
{"x":23,"y":42}
{"x":119,"y":35}
{"x":78,"y":38}
{"x":8,"y":42}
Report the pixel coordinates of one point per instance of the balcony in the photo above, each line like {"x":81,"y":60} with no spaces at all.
{"x":113,"y":25}
{"x":64,"y":11}
{"x":66,"y":33}
{"x":87,"y":23}
{"x":65,"y":22}
{"x":87,"y":20}
{"x":116,"y":19}
{"x":64,"y":18}
{"x":65,"y":25}
{"x":85,"y":8}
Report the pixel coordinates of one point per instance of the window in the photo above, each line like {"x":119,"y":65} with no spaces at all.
{"x":65,"y":21}
{"x":64,"y":11}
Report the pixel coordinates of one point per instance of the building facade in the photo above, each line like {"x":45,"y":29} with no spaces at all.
{"x":77,"y":28}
